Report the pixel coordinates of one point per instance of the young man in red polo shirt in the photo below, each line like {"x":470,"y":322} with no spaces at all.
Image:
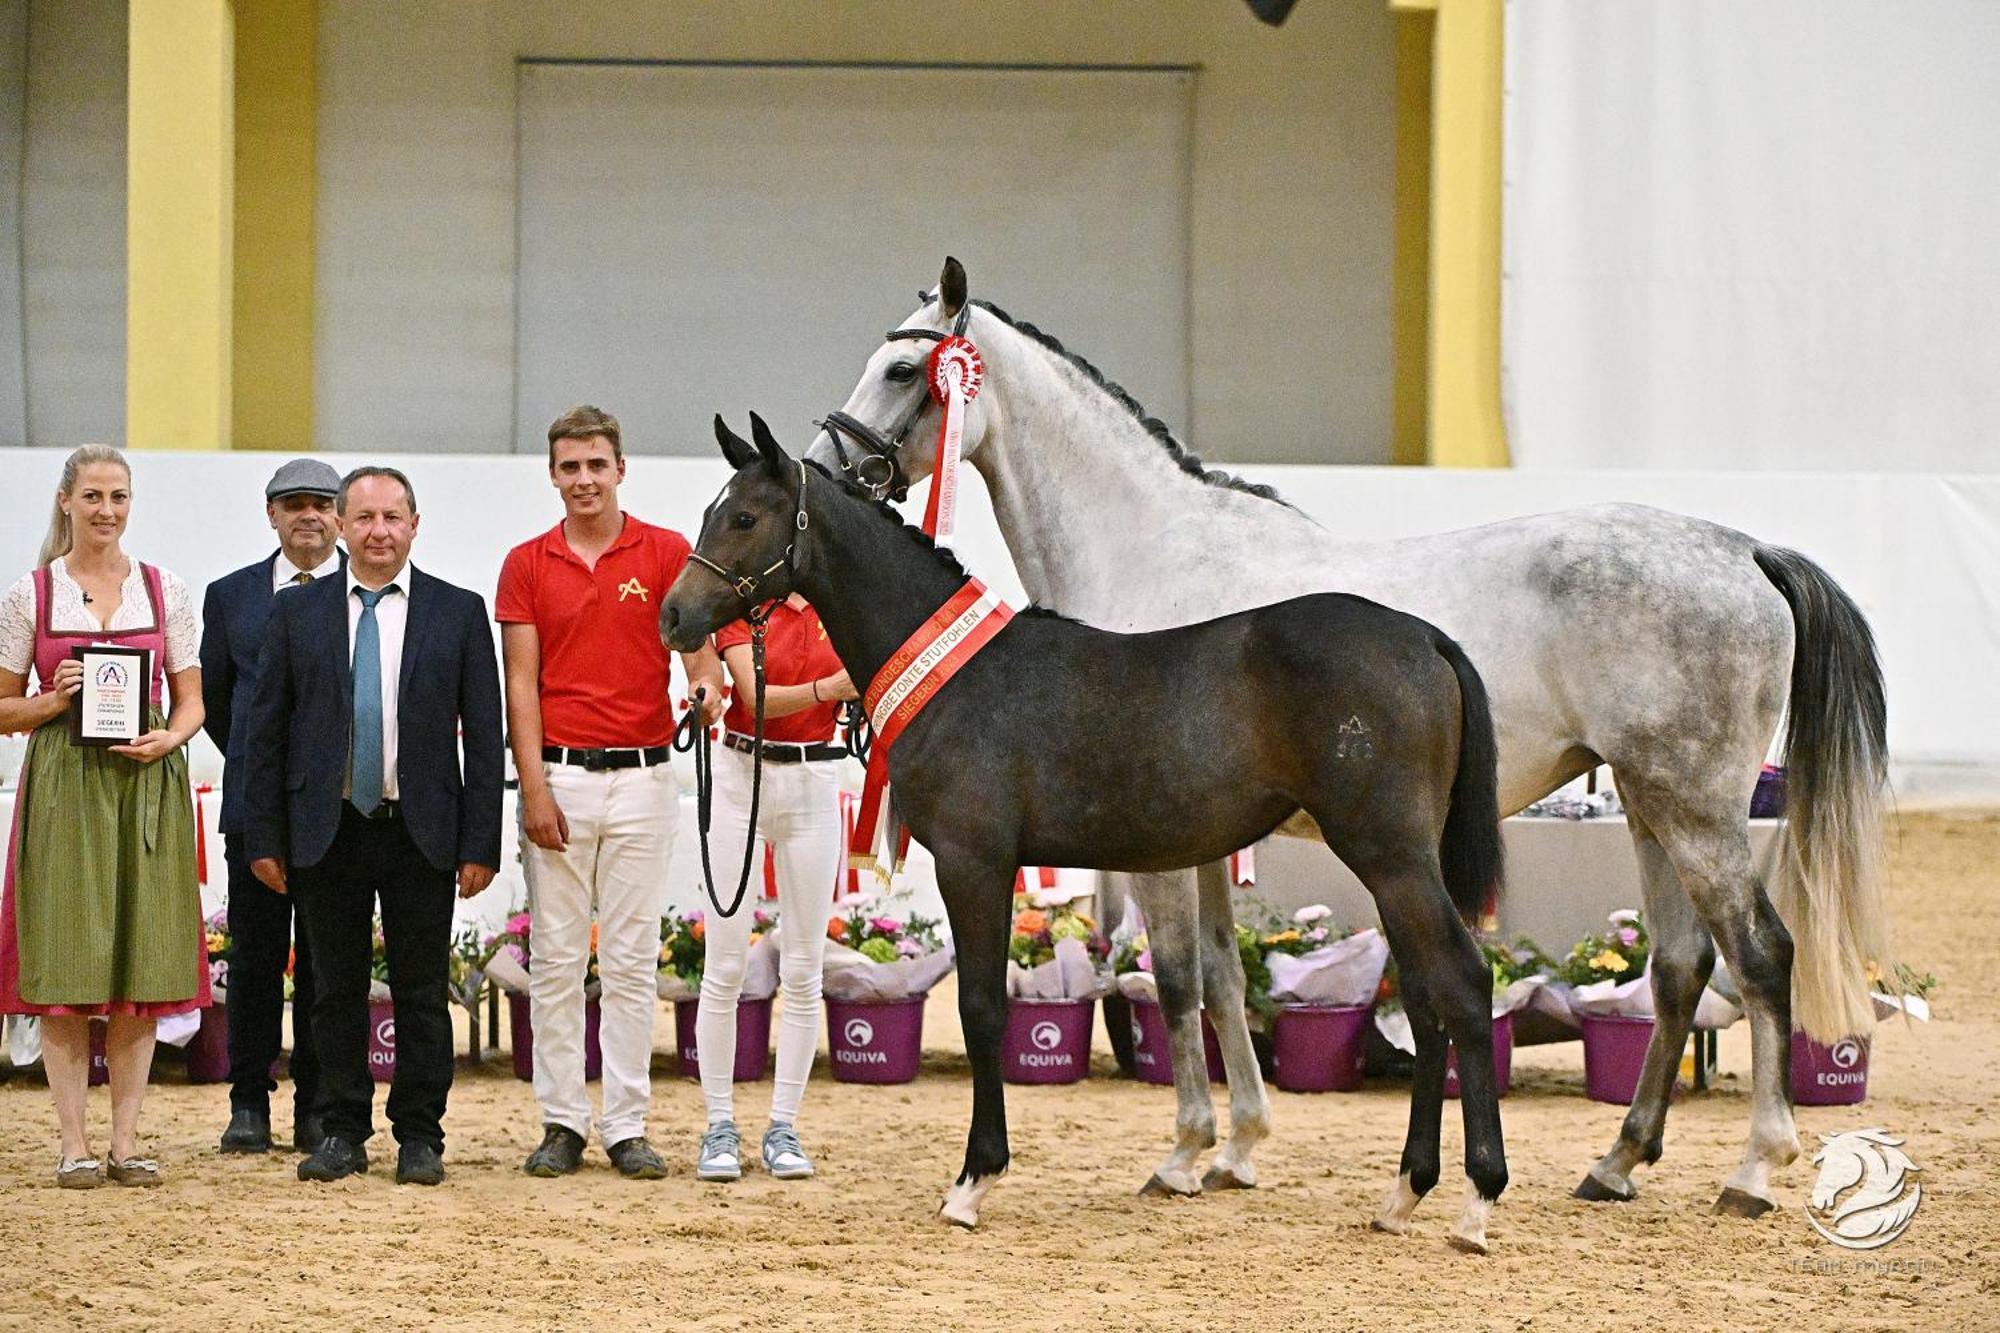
{"x":591,"y":723}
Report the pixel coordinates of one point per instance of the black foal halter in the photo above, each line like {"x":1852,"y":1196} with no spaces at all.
{"x":692,"y":733}
{"x":879,"y":468}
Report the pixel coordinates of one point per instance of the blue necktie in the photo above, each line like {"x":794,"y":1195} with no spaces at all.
{"x":365,"y":771}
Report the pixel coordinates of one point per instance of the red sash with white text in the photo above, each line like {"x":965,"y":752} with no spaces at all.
{"x":910,"y":679}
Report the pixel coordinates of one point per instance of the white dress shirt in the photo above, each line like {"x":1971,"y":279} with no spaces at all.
{"x":392,"y":615}
{"x":283,"y":571}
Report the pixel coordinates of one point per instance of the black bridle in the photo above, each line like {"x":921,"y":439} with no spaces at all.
{"x":879,"y":468}
{"x":692,"y":733}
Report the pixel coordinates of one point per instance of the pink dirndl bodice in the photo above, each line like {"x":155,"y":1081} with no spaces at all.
{"x":52,"y":646}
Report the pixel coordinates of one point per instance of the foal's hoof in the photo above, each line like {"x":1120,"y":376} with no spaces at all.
{"x":1741,"y":1203}
{"x":1390,"y":1226}
{"x":1594,"y":1190}
{"x":1156,"y":1188}
{"x":1224,"y":1178}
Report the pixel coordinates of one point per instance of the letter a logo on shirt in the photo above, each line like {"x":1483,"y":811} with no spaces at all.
{"x":632,"y":588}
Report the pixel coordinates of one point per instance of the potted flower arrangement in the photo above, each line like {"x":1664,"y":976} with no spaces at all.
{"x":1519,"y":971}
{"x":381,"y":1012}
{"x":681,"y":956}
{"x":1601,"y":969}
{"x":1053,"y":979}
{"x":1312,"y":985}
{"x":1835,"y":1073}
{"x":208,"y":1049}
{"x":1132,"y":974}
{"x":880,"y":967}
{"x":509,"y":958}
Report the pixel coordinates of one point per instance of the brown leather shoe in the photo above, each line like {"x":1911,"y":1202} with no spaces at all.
{"x":139,"y":1171}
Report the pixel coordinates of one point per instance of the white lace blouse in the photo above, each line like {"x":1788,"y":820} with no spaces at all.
{"x":135,"y":611}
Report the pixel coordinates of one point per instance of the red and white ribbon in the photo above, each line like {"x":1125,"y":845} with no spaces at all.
{"x":910,"y":679}
{"x":1243,"y":868}
{"x":955,"y":374}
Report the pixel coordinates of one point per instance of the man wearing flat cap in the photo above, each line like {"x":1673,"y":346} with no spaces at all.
{"x":299,"y":503}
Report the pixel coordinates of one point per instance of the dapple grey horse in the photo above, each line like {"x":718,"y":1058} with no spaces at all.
{"x":1663,"y":645}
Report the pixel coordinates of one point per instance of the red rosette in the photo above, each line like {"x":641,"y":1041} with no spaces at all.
{"x":961,"y":353}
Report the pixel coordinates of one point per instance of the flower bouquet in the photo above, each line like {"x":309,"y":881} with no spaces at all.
{"x":683,"y":951}
{"x":1604,"y":986}
{"x":1053,"y":980}
{"x":1132,"y":976}
{"x":1519,"y":971}
{"x":879,"y":969}
{"x":509,"y":960}
{"x":1311,"y":985}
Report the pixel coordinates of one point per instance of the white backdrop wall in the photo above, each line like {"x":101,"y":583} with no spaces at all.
{"x":1752,"y":236}
{"x":1920,"y":554}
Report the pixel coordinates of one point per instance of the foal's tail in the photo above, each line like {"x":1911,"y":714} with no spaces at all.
{"x":1469,"y":851}
{"x":1836,"y":755}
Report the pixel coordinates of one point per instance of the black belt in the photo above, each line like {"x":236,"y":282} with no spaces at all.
{"x":382,"y":810}
{"x":597,"y":761}
{"x":778,"y":752}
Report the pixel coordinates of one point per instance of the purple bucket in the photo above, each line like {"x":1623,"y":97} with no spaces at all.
{"x":1768,"y":800}
{"x":1829,"y":1073}
{"x":753,"y":1038}
{"x":875,"y":1041}
{"x":1047,"y":1041}
{"x":1503,"y":1058}
{"x":1151,"y":1060}
{"x":1319,"y":1047}
{"x":1614,"y":1053}
{"x":100,"y":1064}
{"x":208,"y":1049}
{"x":521,"y":1037}
{"x":382,"y":1041}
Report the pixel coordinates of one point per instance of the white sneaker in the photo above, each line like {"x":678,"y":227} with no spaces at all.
{"x":721,"y":1153}
{"x":784,"y":1158}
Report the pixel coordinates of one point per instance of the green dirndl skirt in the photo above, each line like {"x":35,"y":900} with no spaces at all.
{"x":103,"y":910}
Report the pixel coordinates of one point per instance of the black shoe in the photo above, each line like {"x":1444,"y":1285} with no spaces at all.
{"x":334,"y":1159}
{"x":637,"y":1159}
{"x":249,"y":1131}
{"x":307,"y":1132}
{"x":419,"y":1164}
{"x":561,"y":1153}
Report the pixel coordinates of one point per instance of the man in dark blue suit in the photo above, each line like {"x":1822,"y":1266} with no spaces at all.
{"x":367,"y":689}
{"x":299,"y":504}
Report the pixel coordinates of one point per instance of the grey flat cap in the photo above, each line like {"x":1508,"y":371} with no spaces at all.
{"x":303,"y":476}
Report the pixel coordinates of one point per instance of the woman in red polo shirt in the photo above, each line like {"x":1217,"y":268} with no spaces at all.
{"x":799,"y":815}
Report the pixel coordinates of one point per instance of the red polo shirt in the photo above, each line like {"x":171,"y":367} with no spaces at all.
{"x":604,"y":676}
{"x":796,"y":652}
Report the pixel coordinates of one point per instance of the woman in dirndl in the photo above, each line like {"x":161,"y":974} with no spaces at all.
{"x":102,"y":911}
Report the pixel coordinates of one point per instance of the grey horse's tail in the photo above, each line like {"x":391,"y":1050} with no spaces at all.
{"x":1836,"y":757}
{"x":1469,"y":851}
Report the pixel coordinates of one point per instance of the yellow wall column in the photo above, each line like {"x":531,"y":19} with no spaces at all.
{"x":276,"y":43}
{"x":1410,"y":273}
{"x":180,"y":145}
{"x":1465,"y":427}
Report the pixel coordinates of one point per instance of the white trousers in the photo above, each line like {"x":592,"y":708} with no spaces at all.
{"x":621,"y":835}
{"x":799,"y":815}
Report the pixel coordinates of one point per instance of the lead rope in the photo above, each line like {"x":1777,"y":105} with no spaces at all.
{"x":692,"y":735}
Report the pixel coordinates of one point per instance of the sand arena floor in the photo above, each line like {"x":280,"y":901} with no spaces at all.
{"x":235,"y":1243}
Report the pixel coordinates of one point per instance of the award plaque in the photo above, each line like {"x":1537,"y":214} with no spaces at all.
{"x":111,"y":707}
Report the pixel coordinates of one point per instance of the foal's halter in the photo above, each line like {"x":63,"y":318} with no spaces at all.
{"x":692,"y":733}
{"x":879,"y":470}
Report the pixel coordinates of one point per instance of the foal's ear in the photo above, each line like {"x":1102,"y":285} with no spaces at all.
{"x":951,"y":288}
{"x":734,"y":447}
{"x":767,"y":445}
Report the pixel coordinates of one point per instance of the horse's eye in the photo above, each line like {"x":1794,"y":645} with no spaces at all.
{"x":902,"y":372}
{"x":742,"y":521}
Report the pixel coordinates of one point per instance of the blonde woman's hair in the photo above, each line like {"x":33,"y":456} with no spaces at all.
{"x":60,"y":539}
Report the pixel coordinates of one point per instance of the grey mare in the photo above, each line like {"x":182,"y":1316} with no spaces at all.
{"x":1660,"y":644}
